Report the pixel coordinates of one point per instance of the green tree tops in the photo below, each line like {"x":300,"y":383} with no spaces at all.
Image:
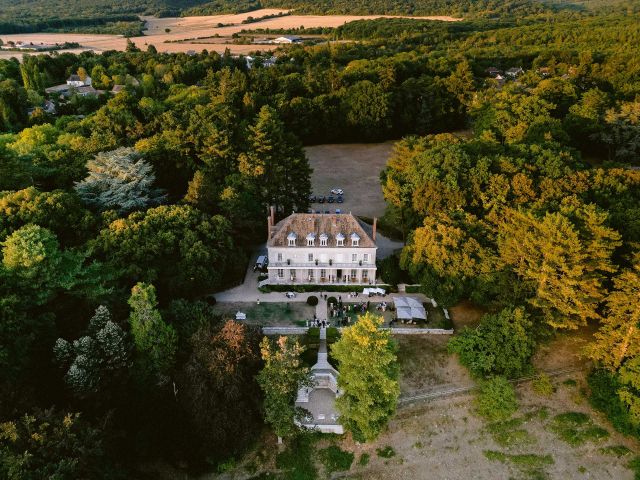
{"x":368,"y":377}
{"x":95,"y":360}
{"x":502,"y":344}
{"x":120,"y":180}
{"x":280,"y":379}
{"x":155,"y":341}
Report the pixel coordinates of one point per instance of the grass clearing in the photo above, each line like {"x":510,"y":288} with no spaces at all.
{"x":508,"y":434}
{"x":576,"y":428}
{"x":532,"y":466}
{"x":615,"y":450}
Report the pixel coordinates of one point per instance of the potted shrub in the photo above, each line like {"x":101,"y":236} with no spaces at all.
{"x":316,"y":261}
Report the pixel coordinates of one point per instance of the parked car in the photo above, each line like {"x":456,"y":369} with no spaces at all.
{"x":331,"y":200}
{"x":261,"y":263}
{"x":312,"y":198}
{"x":321,"y":199}
{"x":338,"y":210}
{"x":290,"y":294}
{"x":327,"y":211}
{"x":337,"y":191}
{"x":340,"y":200}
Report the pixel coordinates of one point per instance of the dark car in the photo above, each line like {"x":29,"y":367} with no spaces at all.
{"x":340,"y":200}
{"x":312,"y":198}
{"x":321,"y":199}
{"x":327,"y":211}
{"x":331,"y":200}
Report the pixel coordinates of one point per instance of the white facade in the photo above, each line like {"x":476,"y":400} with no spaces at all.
{"x":336,"y":257}
{"x":317,"y":265}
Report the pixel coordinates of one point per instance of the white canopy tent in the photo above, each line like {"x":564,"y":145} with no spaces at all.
{"x":241,"y":316}
{"x":408,"y":308}
{"x":374,"y":291}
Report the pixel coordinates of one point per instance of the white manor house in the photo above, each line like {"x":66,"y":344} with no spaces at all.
{"x":315,"y":248}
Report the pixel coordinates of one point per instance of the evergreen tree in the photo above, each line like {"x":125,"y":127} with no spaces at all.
{"x":120,"y":180}
{"x":155,"y":341}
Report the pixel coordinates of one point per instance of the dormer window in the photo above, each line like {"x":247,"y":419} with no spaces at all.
{"x":311,"y":240}
{"x":323,"y":239}
{"x":292,"y":239}
{"x":340,"y":240}
{"x":355,"y":240}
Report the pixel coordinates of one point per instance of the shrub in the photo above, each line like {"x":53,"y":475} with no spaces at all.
{"x":542,"y":385}
{"x":501,"y":345}
{"x":331,"y":300}
{"x":576,"y":428}
{"x":312,"y":300}
{"x":604,"y":397}
{"x":386,"y":452}
{"x":364,"y":460}
{"x":496,"y":400}
{"x":335,"y":460}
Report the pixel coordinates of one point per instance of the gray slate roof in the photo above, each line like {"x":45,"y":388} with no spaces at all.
{"x":303,"y":224}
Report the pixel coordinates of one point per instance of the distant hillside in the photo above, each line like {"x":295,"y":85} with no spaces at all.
{"x":120,"y":16}
{"x":86,"y":15}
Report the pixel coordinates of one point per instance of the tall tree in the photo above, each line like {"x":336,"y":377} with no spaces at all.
{"x":97,"y":360}
{"x":120,"y":180}
{"x":219,"y":384}
{"x":275,"y":165}
{"x":368,"y":377}
{"x":618,"y":338}
{"x":563,"y":257}
{"x":283,"y":374}
{"x":156,"y":342}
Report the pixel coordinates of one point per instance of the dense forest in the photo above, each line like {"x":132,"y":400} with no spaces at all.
{"x":119,"y":214}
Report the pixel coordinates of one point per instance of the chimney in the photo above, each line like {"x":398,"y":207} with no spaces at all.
{"x":375,"y":225}
{"x":269,"y":228}
{"x":273,"y":216}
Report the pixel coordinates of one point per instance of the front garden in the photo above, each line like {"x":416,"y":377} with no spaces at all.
{"x":268,"y":313}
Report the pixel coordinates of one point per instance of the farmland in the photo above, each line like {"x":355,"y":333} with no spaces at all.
{"x":182,"y":34}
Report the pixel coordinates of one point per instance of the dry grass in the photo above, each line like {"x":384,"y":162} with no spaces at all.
{"x":356,"y":169}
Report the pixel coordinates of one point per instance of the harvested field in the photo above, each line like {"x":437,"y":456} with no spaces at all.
{"x":356,"y":169}
{"x":187,"y":30}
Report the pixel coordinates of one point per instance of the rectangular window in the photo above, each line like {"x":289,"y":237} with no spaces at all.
{"x":323,"y":273}
{"x":292,"y":242}
{"x":293,"y":274}
{"x":354,"y":257}
{"x":366,"y":257}
{"x":354,"y":273}
{"x":365,"y":274}
{"x":311,"y":257}
{"x":355,"y":242}
{"x":340,"y":243}
{"x":280,"y":273}
{"x":279,"y":257}
{"x":311,"y":275}
{"x":323,"y":242}
{"x":309,"y":242}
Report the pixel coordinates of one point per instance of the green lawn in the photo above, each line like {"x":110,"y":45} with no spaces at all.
{"x":270,"y":314}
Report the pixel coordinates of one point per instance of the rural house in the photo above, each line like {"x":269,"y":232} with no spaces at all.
{"x":310,"y":248}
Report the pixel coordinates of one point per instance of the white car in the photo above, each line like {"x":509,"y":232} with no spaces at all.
{"x":337,"y":191}
{"x":290,"y":295}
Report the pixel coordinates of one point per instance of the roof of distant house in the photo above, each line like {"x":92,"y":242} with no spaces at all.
{"x":302,"y":225}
